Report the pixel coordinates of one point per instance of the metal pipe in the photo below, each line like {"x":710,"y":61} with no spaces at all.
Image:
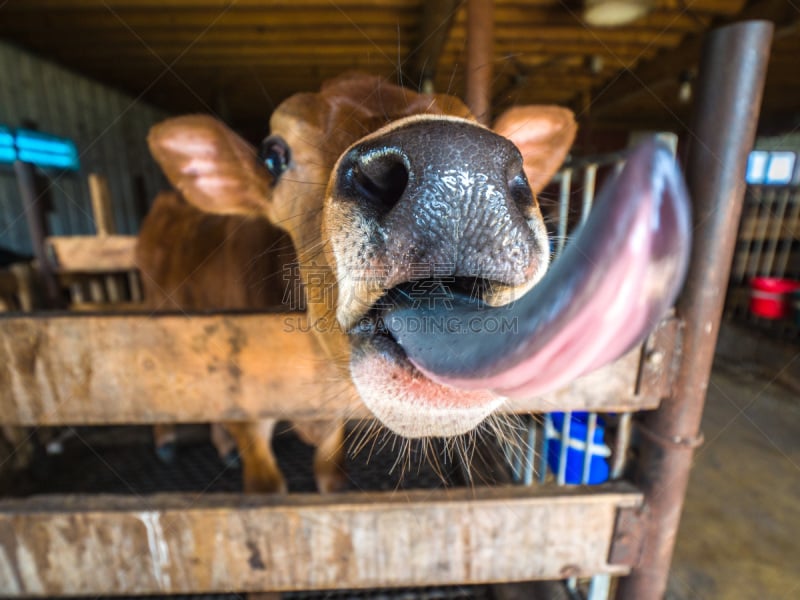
{"x":480,"y":34}
{"x":591,"y":427}
{"x":561,"y":476}
{"x":621,"y":445}
{"x":530,"y":453}
{"x":599,"y":587}
{"x":775,"y":232}
{"x":546,"y":427}
{"x":589,"y":180}
{"x":564,"y":191}
{"x":791,"y":224}
{"x":732,"y":72}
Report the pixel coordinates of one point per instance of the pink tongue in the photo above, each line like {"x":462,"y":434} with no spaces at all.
{"x":611,"y":286}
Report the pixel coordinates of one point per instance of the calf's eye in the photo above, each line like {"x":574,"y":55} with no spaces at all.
{"x":275,"y":155}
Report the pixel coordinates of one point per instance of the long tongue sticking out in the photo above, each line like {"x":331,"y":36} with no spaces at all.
{"x":610,"y":287}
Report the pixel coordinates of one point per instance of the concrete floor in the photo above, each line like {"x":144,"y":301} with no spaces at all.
{"x":740,"y":532}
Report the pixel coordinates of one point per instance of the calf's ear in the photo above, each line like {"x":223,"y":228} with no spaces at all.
{"x":214,"y":169}
{"x":544,"y":135}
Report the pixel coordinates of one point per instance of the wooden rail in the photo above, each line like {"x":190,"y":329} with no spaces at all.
{"x":104,"y":369}
{"x":177,"y":544}
{"x":93,"y":254}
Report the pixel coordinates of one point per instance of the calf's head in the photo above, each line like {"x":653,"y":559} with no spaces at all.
{"x":407,"y":216}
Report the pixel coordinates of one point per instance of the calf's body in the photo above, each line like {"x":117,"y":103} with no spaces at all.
{"x":195,"y":261}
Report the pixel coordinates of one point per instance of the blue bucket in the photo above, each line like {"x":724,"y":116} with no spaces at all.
{"x":576,"y":448}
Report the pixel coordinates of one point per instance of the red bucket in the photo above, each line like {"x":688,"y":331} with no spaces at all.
{"x":769,"y":297}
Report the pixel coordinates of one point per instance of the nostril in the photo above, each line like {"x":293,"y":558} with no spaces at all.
{"x":520,"y":192}
{"x":378,"y":177}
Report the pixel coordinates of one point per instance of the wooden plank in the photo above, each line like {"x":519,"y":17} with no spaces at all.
{"x":110,"y":6}
{"x":93,"y":254}
{"x":519,"y":34}
{"x":286,"y":43}
{"x":154,"y":25}
{"x":142,"y":6}
{"x":178,"y":544}
{"x":176,"y":53}
{"x":515,"y":34}
{"x":111,"y":305}
{"x":269,"y":36}
{"x":115,"y":368}
{"x":198,"y":21}
{"x":612,"y":385}
{"x":103,"y":216}
{"x":118,"y":369}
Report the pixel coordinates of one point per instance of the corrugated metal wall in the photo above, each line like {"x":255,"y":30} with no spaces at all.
{"x":107,"y":126}
{"x":789,"y":141}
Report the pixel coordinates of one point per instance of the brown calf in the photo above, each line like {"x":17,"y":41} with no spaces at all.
{"x":403,"y":211}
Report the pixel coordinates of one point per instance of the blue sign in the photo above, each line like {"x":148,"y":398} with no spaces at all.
{"x":40,"y":149}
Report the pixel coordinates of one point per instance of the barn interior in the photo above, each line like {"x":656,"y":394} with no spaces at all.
{"x":84,"y":81}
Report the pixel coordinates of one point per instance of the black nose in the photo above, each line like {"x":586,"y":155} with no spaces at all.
{"x":375,"y":177}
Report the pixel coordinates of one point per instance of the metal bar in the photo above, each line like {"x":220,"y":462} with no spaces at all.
{"x":530,"y":453}
{"x":572,"y":587}
{"x":547,"y":425}
{"x":514,"y":456}
{"x":480,"y":34}
{"x":591,"y":426}
{"x":622,"y":443}
{"x":563,"y":209}
{"x":563,"y":455}
{"x":765,"y":212}
{"x":589,"y":179}
{"x":732,"y":74}
{"x":599,"y":587}
{"x":792,"y":222}
{"x":742,"y":259}
{"x":775,"y":233}
{"x":135,"y":287}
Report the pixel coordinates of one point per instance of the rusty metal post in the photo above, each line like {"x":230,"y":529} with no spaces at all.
{"x":480,"y":34}
{"x":731,"y":81}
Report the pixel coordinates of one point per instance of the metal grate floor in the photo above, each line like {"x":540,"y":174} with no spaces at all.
{"x":121,"y":460}
{"x":443,"y":593}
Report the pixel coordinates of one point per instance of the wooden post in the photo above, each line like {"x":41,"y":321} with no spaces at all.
{"x":101,"y":205}
{"x":435,"y":26}
{"x":480,"y":33}
{"x":37,"y":228}
{"x":26,"y":296}
{"x":103,"y":214}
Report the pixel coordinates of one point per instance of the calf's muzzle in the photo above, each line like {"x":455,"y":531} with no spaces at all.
{"x":445,"y":198}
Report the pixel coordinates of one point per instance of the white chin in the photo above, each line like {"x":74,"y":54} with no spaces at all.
{"x":410,"y":404}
